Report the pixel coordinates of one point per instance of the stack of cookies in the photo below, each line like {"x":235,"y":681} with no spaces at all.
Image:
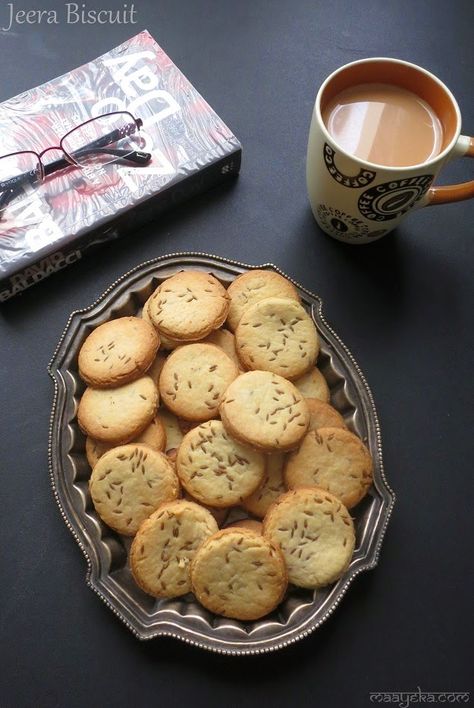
{"x":212,"y":401}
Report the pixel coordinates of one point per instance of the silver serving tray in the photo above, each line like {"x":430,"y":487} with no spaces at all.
{"x":106,"y":552}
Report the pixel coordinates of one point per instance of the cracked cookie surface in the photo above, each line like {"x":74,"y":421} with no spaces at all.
{"x":117,"y":415}
{"x":128,"y":483}
{"x":193,"y":380}
{"x":216,"y":469}
{"x":333,"y":459}
{"x":253,"y":286}
{"x":188,"y":306}
{"x":278,"y":335}
{"x":239,"y":574}
{"x":315,"y":533}
{"x":265,"y":411}
{"x":165,"y":545}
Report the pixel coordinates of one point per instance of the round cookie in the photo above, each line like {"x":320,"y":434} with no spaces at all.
{"x":117,"y":352}
{"x":225,"y":340}
{"x":163,"y":549}
{"x":335,"y":460}
{"x":254,"y":286}
{"x":239,"y":573}
{"x":215,"y":469}
{"x":189,"y":305}
{"x":251,"y":524}
{"x":165,"y":342}
{"x":322,"y":415}
{"x":194,"y":379}
{"x":128,"y":483}
{"x":174,"y":436}
{"x":265,"y":410}
{"x":272,"y":487}
{"x":220,"y":515}
{"x":277,"y":335}
{"x":116,"y":415}
{"x":315,"y":533}
{"x":154,"y":436}
{"x":313,"y":385}
{"x":155,"y":369}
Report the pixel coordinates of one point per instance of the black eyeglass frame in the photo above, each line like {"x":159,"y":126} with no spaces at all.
{"x":101,"y":145}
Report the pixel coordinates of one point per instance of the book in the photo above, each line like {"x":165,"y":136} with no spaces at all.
{"x":56,"y":221}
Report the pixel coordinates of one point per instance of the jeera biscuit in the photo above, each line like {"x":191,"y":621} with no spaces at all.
{"x":116,"y":415}
{"x":128,"y":483}
{"x":272,"y":487}
{"x":238,"y":573}
{"x":154,"y":436}
{"x":265,"y":411}
{"x":216,"y":469}
{"x":333,"y":459}
{"x":166,"y":543}
{"x":253,"y":286}
{"x":117,"y":352}
{"x":188,"y":306}
{"x":194,"y":379}
{"x":315,"y":533}
{"x":277,"y":335}
{"x":313,"y":385}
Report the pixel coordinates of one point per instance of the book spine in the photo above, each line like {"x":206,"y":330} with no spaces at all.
{"x":196,"y":183}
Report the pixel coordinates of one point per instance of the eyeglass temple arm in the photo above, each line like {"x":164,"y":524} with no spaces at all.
{"x":139,"y":158}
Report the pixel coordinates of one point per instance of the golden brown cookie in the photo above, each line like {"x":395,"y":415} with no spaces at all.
{"x":265,"y":411}
{"x":154,"y":436}
{"x":116,"y":415}
{"x":277,"y":335}
{"x":215,"y":469}
{"x":254,"y":286}
{"x":189,"y":305}
{"x":173,"y":432}
{"x":313,"y":385}
{"x":165,"y":342}
{"x":238,"y":573}
{"x":166,"y":543}
{"x":194,"y":379}
{"x":333,"y":459}
{"x":220,"y":515}
{"x":155,"y":369}
{"x":128,"y":483}
{"x":117,"y":352}
{"x":322,"y":415}
{"x":272,"y":487}
{"x":225,"y":340}
{"x":315,"y":533}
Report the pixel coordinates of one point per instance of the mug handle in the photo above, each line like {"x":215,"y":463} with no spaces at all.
{"x":455,"y":192}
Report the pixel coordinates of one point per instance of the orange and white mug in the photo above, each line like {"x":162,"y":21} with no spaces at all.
{"x":356,"y":201}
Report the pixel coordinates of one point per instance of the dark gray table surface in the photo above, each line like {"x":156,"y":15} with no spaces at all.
{"x":403,"y":306}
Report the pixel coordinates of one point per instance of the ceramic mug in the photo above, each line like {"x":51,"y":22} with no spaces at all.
{"x":356,"y":201}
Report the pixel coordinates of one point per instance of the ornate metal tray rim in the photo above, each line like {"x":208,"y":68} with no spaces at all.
{"x":169,"y":627}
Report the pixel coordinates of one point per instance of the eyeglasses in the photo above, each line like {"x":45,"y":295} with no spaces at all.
{"x":97,"y":142}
